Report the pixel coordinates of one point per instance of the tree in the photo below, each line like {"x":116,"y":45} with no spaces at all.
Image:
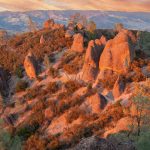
{"x":144,"y":41}
{"x":91,"y":27}
{"x":8,"y":141}
{"x":118,"y":27}
{"x":141,"y":103}
{"x":32,"y":25}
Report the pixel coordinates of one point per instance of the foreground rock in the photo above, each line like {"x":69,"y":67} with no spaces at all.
{"x":94,"y":104}
{"x":118,"y":88}
{"x":91,"y":63}
{"x":122,"y":125}
{"x":30,"y":66}
{"x":42,"y":40}
{"x":94,"y":143}
{"x":118,"y":54}
{"x":78,"y":43}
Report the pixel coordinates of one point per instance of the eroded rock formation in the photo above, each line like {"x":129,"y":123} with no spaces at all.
{"x":94,"y":104}
{"x":118,"y":88}
{"x":30,"y":66}
{"x":50,"y":24}
{"x":78,"y":43}
{"x":118,"y":53}
{"x":91,"y":62}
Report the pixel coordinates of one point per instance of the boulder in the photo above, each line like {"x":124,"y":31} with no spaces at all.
{"x":30,"y":66}
{"x":103,"y":40}
{"x":118,"y":53}
{"x":48,"y":113}
{"x":78,"y":43}
{"x":48,"y":23}
{"x":94,"y":104}
{"x":42,"y":40}
{"x":91,"y":63}
{"x":94,"y":143}
{"x":118,"y":88}
{"x":122,"y":125}
{"x":80,"y":26}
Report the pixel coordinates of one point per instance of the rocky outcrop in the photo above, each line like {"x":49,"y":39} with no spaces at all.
{"x":118,"y":53}
{"x":48,"y":113}
{"x":94,"y":104}
{"x":79,"y":26}
{"x":78,"y":43}
{"x":118,"y":88}
{"x":30,"y":66}
{"x":94,"y":143}
{"x":50,"y":24}
{"x":91,"y":63}
{"x":122,"y":125}
{"x":42,"y":40}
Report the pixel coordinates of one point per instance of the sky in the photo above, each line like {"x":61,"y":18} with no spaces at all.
{"x":112,"y":5}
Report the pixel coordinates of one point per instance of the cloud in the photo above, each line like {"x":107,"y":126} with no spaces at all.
{"x":114,"y":5}
{"x":25,"y":5}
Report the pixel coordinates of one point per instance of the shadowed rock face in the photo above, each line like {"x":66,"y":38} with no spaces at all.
{"x":3,"y":82}
{"x":94,"y":143}
{"x":30,"y":66}
{"x":78,"y":43}
{"x":118,"y":53}
{"x":91,"y":63}
{"x":94,"y":104}
{"x":118,"y":88}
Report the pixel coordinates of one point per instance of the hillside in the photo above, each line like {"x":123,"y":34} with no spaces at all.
{"x":18,"y":21}
{"x":75,"y":87}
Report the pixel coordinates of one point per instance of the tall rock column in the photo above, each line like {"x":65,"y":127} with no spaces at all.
{"x":30,"y":66}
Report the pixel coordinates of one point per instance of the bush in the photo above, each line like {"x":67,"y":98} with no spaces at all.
{"x":142,"y":143}
{"x":32,"y":93}
{"x":53,"y":72}
{"x":26,"y":131}
{"x":72,"y":86}
{"x":52,"y":87}
{"x":8,"y":141}
{"x":73,"y":114}
{"x":74,"y":65}
{"x":54,"y":144}
{"x":35,"y":142}
{"x":21,"y":86}
{"x":108,"y":82}
{"x":19,"y":72}
{"x":39,"y":106}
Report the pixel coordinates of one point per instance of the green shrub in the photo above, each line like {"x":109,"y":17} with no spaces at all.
{"x":26,"y":131}
{"x":21,"y":86}
{"x":142,"y":142}
{"x":8,"y":141}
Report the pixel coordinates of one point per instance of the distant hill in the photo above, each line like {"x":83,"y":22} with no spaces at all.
{"x":17,"y":21}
